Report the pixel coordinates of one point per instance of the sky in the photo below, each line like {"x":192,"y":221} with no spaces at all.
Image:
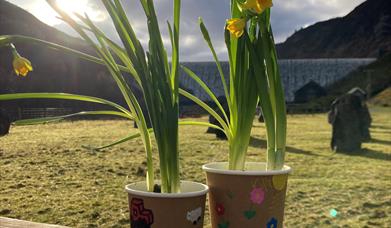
{"x":287,"y":17}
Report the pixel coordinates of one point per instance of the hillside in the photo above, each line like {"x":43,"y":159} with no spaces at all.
{"x":383,"y":98}
{"x":374,"y":78}
{"x":362,"y":33}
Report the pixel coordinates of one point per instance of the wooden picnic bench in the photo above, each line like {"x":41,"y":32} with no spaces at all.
{"x":15,"y":223}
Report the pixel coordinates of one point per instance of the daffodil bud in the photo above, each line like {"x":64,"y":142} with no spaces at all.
{"x":236,"y":26}
{"x":21,"y":65}
{"x":257,"y":6}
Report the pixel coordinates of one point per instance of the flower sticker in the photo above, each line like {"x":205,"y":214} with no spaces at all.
{"x":279,"y":182}
{"x":249,"y":214}
{"x":223,"y":225}
{"x":257,"y":195}
{"x":220,"y":209}
{"x":333,"y":213}
{"x":230,"y":195}
{"x":272,"y":223}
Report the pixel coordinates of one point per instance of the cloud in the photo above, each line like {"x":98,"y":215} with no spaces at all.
{"x":287,"y":16}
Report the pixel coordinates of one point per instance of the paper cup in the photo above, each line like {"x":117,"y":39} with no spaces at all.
{"x":251,"y":198}
{"x":167,"y":210}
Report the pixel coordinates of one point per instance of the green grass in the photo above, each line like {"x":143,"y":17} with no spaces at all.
{"x":45,"y":175}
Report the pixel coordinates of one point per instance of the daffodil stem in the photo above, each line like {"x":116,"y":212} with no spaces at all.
{"x":237,"y":157}
{"x":15,"y":52}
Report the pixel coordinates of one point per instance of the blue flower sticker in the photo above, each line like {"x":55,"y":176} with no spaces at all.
{"x":272,"y":223}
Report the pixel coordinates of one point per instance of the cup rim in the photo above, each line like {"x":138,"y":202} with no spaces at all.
{"x":221,"y":168}
{"x":203,"y":190}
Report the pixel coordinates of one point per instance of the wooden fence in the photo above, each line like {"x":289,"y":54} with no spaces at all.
{"x":186,"y":111}
{"x":30,"y":113}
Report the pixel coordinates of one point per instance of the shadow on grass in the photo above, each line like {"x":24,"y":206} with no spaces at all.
{"x":381,"y":127}
{"x":257,"y":143}
{"x":384,"y":142}
{"x":368,"y":153}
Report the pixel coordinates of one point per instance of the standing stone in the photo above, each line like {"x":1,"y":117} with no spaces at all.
{"x":366,"y":121}
{"x":350,"y":121}
{"x":4,"y":124}
{"x":260,"y":115}
{"x":365,"y":117}
{"x":219,"y":134}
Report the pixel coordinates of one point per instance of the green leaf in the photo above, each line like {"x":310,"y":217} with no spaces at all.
{"x":205,"y":124}
{"x":249,"y":214}
{"x":264,"y":99}
{"x":58,"y":118}
{"x":208,"y":109}
{"x":207,"y":90}
{"x":130,"y":137}
{"x":6,"y":40}
{"x":205,"y":33}
{"x":62,"y":96}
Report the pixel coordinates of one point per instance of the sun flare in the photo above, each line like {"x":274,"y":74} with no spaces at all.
{"x":46,"y":14}
{"x":73,"y":6}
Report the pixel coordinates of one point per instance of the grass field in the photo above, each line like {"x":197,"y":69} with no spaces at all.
{"x":46,"y":176}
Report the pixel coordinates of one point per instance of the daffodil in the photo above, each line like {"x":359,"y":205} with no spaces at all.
{"x":21,"y":65}
{"x":236,"y":26}
{"x":258,"y":6}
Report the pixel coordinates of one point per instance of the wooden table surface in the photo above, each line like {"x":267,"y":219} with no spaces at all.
{"x":15,"y":223}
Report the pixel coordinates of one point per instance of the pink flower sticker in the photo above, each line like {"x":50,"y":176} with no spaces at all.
{"x":257,"y":195}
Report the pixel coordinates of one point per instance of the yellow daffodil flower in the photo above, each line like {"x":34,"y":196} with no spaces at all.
{"x":21,"y":65}
{"x":257,"y":6}
{"x":236,"y":26}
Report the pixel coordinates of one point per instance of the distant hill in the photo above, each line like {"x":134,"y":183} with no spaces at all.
{"x":362,"y":33}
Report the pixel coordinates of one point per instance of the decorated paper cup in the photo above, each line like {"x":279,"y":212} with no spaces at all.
{"x":251,"y":198}
{"x":167,"y":210}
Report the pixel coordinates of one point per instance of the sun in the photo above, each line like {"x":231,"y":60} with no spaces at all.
{"x":46,"y":14}
{"x":74,"y":6}
{"x":81,"y":7}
